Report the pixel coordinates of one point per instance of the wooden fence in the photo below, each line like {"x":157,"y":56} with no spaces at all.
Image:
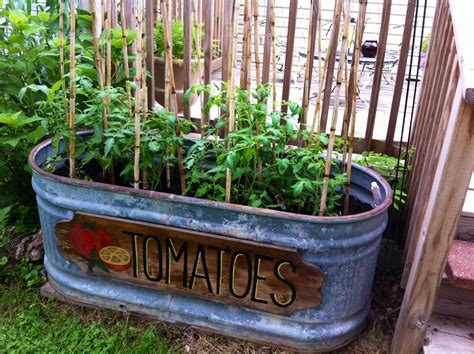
{"x":442,"y":167}
{"x":215,"y":16}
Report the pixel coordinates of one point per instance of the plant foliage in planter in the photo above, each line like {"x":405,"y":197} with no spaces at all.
{"x":289,"y":178}
{"x":178,"y":40}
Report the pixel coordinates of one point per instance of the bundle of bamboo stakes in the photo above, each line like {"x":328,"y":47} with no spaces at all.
{"x":101,"y":34}
{"x":350,"y":92}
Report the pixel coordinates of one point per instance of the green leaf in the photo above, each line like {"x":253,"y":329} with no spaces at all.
{"x":282,"y":165}
{"x":109,"y":143}
{"x":202,"y":190}
{"x":255,"y":201}
{"x":187,"y":95}
{"x":3,"y":261}
{"x":37,"y":134}
{"x":13,"y":142}
{"x":230,"y":159}
{"x":9,"y":118}
{"x":4,"y":215}
{"x":17,"y":17}
{"x":298,"y":188}
{"x":154,"y":146}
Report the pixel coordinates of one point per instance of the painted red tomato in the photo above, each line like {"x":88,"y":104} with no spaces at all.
{"x":82,"y":240}
{"x":87,"y":237}
{"x":102,"y":239}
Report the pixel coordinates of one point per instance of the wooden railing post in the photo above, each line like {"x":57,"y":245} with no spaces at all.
{"x":290,"y":42}
{"x":445,"y":203}
{"x":444,"y":162}
{"x":402,"y":64}
{"x":379,"y":63}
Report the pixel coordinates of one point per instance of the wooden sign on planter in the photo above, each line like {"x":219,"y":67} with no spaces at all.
{"x":223,"y":269}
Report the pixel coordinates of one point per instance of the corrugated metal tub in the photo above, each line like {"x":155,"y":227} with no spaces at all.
{"x":344,"y":248}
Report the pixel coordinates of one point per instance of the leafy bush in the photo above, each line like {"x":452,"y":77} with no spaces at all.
{"x":177,"y":40}
{"x":32,"y":100}
{"x":28,"y":67}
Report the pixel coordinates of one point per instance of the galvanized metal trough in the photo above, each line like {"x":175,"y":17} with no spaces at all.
{"x":344,"y":248}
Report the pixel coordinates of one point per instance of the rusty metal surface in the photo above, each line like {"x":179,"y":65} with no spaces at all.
{"x":345,"y":248}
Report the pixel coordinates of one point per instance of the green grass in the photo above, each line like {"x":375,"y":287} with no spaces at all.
{"x":29,"y":323}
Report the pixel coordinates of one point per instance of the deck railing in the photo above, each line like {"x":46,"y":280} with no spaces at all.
{"x":215,"y":16}
{"x":442,"y":166}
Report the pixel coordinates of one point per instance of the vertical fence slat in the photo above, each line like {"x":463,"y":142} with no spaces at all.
{"x":446,"y":198}
{"x":424,"y":165}
{"x":429,"y":162}
{"x":245,"y":47}
{"x":400,"y":79}
{"x":379,"y":64}
{"x":228,"y":8}
{"x":188,"y":49}
{"x":267,"y":46}
{"x":313,"y":19}
{"x":209,"y":28}
{"x":150,"y":55}
{"x":290,"y":42}
{"x":424,"y":120}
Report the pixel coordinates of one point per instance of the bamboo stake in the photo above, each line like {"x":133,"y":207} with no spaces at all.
{"x":331,"y":62}
{"x":95,"y":42}
{"x":72,"y":91}
{"x":272,"y":9}
{"x":332,"y":136}
{"x":61,"y":51}
{"x":231,"y":89}
{"x":355,"y":59}
{"x":126,"y":67}
{"x":256,"y":47}
{"x":173,"y":97}
{"x":138,"y":92}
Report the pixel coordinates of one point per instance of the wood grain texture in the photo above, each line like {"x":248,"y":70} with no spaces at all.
{"x":150,"y":53}
{"x":209,"y":28}
{"x":400,"y":79}
{"x":290,"y":42}
{"x":446,"y":197}
{"x":454,"y":301}
{"x":267,"y":46}
{"x":379,"y":64}
{"x":222,"y":269}
{"x":440,"y":86}
{"x":313,"y":24}
{"x":188,"y":49}
{"x":461,"y":11}
{"x":228,"y":8}
{"x":448,"y":334}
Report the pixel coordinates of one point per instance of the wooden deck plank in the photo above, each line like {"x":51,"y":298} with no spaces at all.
{"x":447,"y":334}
